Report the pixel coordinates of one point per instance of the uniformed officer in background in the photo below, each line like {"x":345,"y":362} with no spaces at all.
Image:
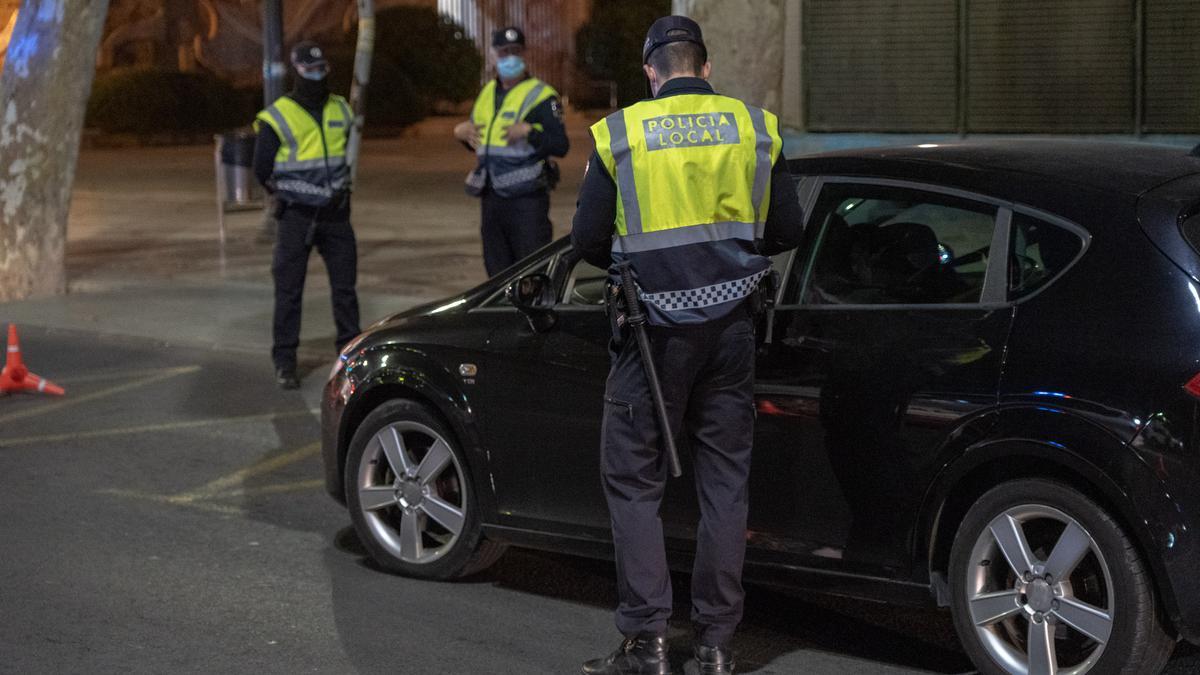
{"x":515,"y":127}
{"x":695,"y":189}
{"x":300,"y":158}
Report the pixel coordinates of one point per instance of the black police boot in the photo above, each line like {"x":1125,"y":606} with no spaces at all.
{"x":286,"y":377}
{"x":710,"y":661}
{"x":635,"y":656}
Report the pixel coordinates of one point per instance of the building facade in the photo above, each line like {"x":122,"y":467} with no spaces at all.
{"x":962,"y":66}
{"x":549,"y":25}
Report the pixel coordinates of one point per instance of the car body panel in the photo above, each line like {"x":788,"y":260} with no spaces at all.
{"x":877,"y":426}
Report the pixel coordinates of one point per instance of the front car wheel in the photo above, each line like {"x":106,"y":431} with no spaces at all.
{"x":410,"y":496}
{"x":1045,"y":582}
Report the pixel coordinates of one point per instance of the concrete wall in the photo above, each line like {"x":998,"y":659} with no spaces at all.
{"x":754,"y":46}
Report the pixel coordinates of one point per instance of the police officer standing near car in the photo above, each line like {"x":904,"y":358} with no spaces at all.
{"x":691,"y":189}
{"x":515,"y":128}
{"x":300,"y":158}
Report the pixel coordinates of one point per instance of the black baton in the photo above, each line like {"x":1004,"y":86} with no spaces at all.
{"x":637,"y":320}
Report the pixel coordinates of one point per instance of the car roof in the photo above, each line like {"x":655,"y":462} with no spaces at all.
{"x":1130,"y":168}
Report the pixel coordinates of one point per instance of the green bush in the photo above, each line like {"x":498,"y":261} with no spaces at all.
{"x":435,"y":55}
{"x":161,"y":101}
{"x":392,"y":99}
{"x":609,"y":45}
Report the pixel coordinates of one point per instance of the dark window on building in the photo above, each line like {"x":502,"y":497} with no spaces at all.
{"x":1039,"y":252}
{"x":883,"y":245}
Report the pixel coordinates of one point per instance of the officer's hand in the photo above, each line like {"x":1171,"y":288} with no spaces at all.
{"x":468,"y":132}
{"x":517,"y":131}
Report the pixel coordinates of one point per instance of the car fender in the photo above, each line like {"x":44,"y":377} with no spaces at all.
{"x":1057,"y":443}
{"x":380,"y":374}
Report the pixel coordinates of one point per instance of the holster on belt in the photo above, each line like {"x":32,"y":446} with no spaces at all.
{"x":762,"y":299}
{"x":614,"y":307}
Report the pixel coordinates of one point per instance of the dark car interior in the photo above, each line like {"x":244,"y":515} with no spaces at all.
{"x":899,"y":251}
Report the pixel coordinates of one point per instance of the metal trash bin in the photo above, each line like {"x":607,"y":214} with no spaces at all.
{"x":236,"y":184}
{"x":237,"y":188}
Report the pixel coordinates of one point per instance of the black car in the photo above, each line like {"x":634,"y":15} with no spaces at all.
{"x":979,"y":387}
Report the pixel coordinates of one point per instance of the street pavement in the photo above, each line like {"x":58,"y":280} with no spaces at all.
{"x":167,"y":515}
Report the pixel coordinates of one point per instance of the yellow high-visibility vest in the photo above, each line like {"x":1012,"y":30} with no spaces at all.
{"x":310,"y":166}
{"x":512,"y":169}
{"x":693,"y":177}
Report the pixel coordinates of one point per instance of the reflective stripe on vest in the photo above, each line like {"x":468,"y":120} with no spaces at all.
{"x":310,"y":166}
{"x":514,"y":169}
{"x":691,"y":170}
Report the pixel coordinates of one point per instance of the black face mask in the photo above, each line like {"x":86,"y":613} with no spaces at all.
{"x":311,"y":93}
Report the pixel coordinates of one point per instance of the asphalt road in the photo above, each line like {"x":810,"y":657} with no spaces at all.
{"x":167,"y":516}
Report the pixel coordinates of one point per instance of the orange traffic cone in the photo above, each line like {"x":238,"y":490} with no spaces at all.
{"x":16,"y":377}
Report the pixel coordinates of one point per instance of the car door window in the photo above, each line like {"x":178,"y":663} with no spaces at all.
{"x":884,"y":245}
{"x":585,"y":285}
{"x":500,"y":300}
{"x":1039,"y":251}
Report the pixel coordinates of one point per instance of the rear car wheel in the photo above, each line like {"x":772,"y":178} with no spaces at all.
{"x":411,"y":498}
{"x":1043,"y":581}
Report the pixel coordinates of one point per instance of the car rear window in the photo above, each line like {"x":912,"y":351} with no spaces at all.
{"x":1039,"y":251}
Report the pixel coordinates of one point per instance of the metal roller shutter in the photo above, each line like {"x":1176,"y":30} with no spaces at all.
{"x":881,"y":65}
{"x":1172,"y":66}
{"x":1037,"y":66}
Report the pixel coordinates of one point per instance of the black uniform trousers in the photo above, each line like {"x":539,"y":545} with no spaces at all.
{"x":513,"y":227}
{"x":299,"y":229}
{"x":707,"y":375}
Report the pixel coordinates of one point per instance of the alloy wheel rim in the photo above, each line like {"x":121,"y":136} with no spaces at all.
{"x":411,"y":492}
{"x":1040,"y":593}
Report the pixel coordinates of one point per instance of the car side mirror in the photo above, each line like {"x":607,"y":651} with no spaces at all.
{"x":533,"y":294}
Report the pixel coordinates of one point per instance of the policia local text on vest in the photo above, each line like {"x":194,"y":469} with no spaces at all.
{"x":691,"y":189}
{"x":300,"y":158}
{"x":515,"y":127}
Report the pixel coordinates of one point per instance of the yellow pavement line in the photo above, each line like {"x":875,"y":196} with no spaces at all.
{"x":205,"y":497}
{"x":209,"y":503}
{"x":113,"y":375}
{"x":265,"y":465}
{"x":67,"y":402}
{"x":298,"y":486}
{"x":167,"y":499}
{"x":167,"y":426}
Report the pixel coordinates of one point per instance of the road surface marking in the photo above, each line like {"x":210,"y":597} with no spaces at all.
{"x":233,"y":485}
{"x":224,"y":484}
{"x":70,"y":401}
{"x":149,"y":428}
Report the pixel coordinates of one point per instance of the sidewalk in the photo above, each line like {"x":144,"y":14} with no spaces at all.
{"x":143,"y":257}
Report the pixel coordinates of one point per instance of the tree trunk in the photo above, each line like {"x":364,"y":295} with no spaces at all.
{"x":43,"y":94}
{"x":180,"y":22}
{"x":363,"y":56}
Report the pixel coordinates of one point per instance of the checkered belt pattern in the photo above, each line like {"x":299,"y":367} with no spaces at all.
{"x":303,"y":188}
{"x":517,"y":176}
{"x":707,"y":296}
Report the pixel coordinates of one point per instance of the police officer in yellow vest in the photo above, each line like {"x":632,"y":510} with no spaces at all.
{"x":691,"y":189}
{"x":300,"y":158}
{"x":515,"y":128}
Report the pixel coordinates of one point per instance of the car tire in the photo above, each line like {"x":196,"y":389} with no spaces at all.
{"x":1035,"y":562}
{"x":411,"y":498}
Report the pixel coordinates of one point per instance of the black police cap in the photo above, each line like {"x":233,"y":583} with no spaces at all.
{"x":308,"y":54}
{"x":672,"y":29}
{"x":508,"y":36}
